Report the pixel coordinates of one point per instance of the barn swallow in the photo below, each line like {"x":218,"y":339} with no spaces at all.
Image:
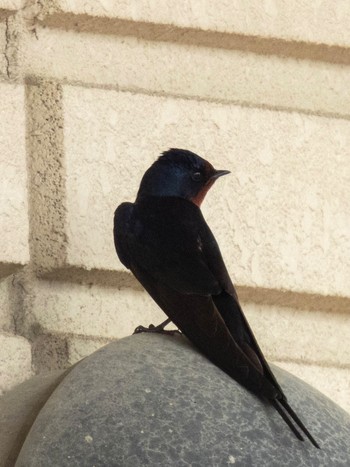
{"x":166,"y":243}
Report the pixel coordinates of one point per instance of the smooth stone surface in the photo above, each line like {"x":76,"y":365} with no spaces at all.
{"x":155,"y":400}
{"x":18,"y":409}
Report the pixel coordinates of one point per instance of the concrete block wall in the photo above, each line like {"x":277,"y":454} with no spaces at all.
{"x":92,"y":92}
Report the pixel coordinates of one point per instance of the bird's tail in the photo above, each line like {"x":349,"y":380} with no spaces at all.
{"x":288,"y":414}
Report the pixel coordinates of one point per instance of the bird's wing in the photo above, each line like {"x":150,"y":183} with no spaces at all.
{"x":229,"y":307}
{"x":231,"y":312}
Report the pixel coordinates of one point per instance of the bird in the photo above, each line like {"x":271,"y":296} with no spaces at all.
{"x":165,"y":241}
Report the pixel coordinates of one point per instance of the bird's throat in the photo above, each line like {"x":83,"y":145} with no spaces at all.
{"x":199,"y":197}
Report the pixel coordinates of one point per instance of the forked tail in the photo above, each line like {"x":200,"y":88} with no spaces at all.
{"x":287,"y":413}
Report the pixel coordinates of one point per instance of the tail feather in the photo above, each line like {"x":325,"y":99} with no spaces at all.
{"x":286,"y":419}
{"x":297,"y":420}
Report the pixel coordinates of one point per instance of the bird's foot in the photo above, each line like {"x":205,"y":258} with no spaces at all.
{"x":157,"y":329}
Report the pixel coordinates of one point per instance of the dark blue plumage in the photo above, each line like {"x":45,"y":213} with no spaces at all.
{"x":164,"y":240}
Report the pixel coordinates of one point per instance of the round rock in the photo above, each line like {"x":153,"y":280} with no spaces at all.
{"x":155,"y":400}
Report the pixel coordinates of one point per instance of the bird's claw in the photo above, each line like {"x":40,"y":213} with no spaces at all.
{"x":156,"y":329}
{"x":140,"y":329}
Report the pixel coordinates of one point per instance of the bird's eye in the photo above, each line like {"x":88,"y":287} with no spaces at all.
{"x":197,"y":176}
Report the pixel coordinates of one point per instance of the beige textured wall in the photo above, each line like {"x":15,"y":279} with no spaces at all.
{"x":92,"y":92}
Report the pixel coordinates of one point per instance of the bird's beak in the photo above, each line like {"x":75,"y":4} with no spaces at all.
{"x":219,"y":173}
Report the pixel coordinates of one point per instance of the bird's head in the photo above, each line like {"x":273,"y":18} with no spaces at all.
{"x":180,"y":173}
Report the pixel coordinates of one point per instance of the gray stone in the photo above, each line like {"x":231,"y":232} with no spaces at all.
{"x":19,"y":408}
{"x":155,"y":400}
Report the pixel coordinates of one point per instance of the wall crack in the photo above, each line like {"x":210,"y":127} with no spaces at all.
{"x":7,"y":47}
